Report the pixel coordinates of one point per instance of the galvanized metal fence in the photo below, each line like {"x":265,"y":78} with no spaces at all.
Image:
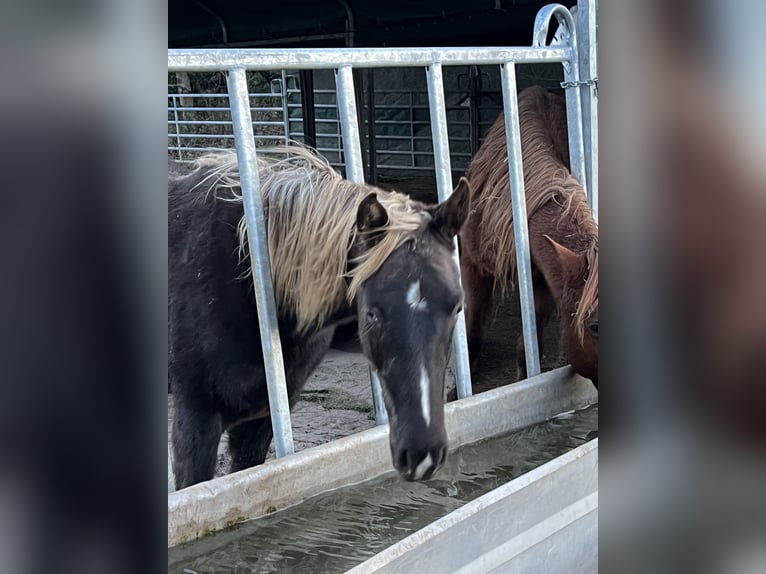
{"x":401,"y":128}
{"x":201,"y":122}
{"x":399,"y":124}
{"x":563,"y":49}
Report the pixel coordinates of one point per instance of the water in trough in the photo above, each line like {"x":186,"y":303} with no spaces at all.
{"x":335,"y":531}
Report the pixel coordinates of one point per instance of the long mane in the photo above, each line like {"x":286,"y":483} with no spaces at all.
{"x":547,"y":178}
{"x":311,"y":223}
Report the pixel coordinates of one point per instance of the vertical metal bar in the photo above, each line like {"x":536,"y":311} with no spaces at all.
{"x":412,"y":130}
{"x":586,"y":39}
{"x":285,"y":108}
{"x":440,"y":135}
{"x":474,"y":95}
{"x":178,"y":137}
{"x":292,"y":93}
{"x":241,"y":118}
{"x":520,"y":224}
{"x":373,"y":156}
{"x":381,"y":415}
{"x":171,"y":476}
{"x":352,"y":151}
{"x":574,"y":111}
{"x":344,"y":81}
{"x":307,"y":103}
{"x":359,"y":95}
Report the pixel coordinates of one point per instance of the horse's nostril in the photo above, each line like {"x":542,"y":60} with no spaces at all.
{"x":425,"y":467}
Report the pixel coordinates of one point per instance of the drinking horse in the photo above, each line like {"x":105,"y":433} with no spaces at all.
{"x":563,"y":236}
{"x":338,"y":250}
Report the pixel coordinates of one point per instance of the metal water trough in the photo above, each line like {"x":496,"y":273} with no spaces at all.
{"x":223,"y":502}
{"x":543,"y":521}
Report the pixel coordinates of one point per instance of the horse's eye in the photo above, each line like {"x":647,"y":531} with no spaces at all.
{"x":593,"y":328}
{"x":372,"y":316}
{"x":458,"y":308}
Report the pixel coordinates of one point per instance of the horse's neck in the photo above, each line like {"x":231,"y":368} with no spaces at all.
{"x":549,"y":219}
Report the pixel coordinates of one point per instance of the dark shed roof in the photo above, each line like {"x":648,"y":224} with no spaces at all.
{"x":327,"y":23}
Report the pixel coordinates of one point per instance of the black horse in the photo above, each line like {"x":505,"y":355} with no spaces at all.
{"x":338,"y":250}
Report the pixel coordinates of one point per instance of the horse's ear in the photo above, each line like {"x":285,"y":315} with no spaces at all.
{"x":450,"y":215}
{"x":370,"y":214}
{"x":570,"y":264}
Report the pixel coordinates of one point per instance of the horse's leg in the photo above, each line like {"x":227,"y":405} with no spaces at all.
{"x":544,"y":306}
{"x":478,"y":303}
{"x":196,"y":435}
{"x":249,"y":443}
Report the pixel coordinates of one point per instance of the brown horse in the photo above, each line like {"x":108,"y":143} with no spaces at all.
{"x":563,"y":235}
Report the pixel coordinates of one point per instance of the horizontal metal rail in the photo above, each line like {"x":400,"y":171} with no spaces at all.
{"x":224,"y":96}
{"x":379,"y":137}
{"x":413,"y":122}
{"x":195,"y":150}
{"x":197,"y":60}
{"x":228,"y":136}
{"x":220,"y":109}
{"x":203,"y":122}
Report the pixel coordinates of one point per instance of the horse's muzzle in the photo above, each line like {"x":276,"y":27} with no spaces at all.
{"x":419,"y":464}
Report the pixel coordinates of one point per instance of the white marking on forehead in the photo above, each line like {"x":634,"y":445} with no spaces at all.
{"x":423,"y":467}
{"x":414,"y":299}
{"x":424,"y":404}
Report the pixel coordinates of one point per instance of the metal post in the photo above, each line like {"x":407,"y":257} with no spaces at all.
{"x":574,"y":113}
{"x":520,"y":224}
{"x":566,"y":36}
{"x":285,"y":108}
{"x":412,"y":130}
{"x":242,"y":123}
{"x":171,"y":476}
{"x":359,"y":95}
{"x":307,"y":103}
{"x":372,"y":155}
{"x":438,"y":112}
{"x":178,"y":137}
{"x":586,"y":39}
{"x":474,"y":101}
{"x":352,"y":150}
{"x":381,"y":415}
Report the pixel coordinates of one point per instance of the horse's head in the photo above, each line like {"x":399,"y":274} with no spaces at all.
{"x":407,"y":313}
{"x":578,"y":296}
